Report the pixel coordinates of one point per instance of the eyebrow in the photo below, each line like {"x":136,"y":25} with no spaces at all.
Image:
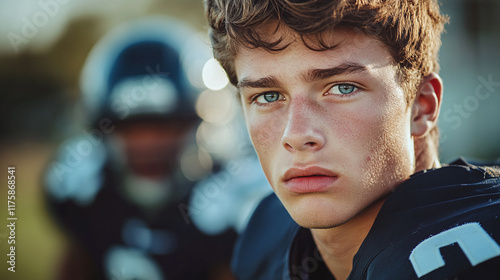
{"x":311,"y":75}
{"x":344,"y":68}
{"x":266,"y":82}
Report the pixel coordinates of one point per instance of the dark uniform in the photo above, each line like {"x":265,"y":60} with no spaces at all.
{"x":123,"y":240}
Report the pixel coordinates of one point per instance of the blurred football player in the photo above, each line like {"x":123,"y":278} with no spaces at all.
{"x":117,"y":187}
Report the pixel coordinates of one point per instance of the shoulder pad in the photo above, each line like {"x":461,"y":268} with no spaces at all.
{"x":76,"y":172}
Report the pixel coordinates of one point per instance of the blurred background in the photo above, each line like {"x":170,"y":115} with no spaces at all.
{"x":43,"y":46}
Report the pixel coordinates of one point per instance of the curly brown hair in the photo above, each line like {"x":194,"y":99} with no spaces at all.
{"x":411,"y":30}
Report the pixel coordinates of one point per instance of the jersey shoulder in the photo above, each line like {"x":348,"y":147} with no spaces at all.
{"x":261,"y":251}
{"x":437,"y":225}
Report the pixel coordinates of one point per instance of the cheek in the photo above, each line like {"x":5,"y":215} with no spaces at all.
{"x":359,"y":130}
{"x":265,"y":139}
{"x":388,"y":157}
{"x":265,"y":144}
{"x":373,"y":136}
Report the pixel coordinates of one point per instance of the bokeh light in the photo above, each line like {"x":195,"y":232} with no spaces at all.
{"x":195,"y":163}
{"x":217,"y":140}
{"x":214,"y":76}
{"x":216,"y":106}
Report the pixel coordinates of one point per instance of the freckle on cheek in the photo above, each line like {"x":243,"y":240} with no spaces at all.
{"x":261,"y":139}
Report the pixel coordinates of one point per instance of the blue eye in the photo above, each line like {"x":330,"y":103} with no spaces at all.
{"x":269,"y":97}
{"x":342,"y":89}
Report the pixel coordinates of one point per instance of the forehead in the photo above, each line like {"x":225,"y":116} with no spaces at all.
{"x":349,"y":46}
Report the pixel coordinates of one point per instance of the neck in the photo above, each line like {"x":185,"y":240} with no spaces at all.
{"x":338,"y":245}
{"x":426,"y":154}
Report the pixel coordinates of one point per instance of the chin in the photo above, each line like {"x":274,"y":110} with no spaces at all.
{"x":314,"y":211}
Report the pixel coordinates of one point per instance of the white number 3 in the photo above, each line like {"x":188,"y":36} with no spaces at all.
{"x":474,"y":241}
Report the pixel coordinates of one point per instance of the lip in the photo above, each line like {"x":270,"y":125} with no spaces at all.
{"x":309,"y":180}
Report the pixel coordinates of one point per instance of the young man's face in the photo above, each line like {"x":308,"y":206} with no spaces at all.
{"x":331,"y":128}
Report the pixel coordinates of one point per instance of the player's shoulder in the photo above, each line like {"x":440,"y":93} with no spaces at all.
{"x":439,"y":224}
{"x":261,"y":251}
{"x":491,"y":169}
{"x":460,"y":171}
{"x":75,"y":171}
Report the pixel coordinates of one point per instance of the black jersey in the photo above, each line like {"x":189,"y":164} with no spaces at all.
{"x":122,"y":240}
{"x":439,"y":224}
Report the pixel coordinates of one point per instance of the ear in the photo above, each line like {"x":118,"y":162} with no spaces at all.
{"x":427,"y":104}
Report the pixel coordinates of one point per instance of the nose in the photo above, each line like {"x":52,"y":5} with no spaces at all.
{"x":303,"y":129}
